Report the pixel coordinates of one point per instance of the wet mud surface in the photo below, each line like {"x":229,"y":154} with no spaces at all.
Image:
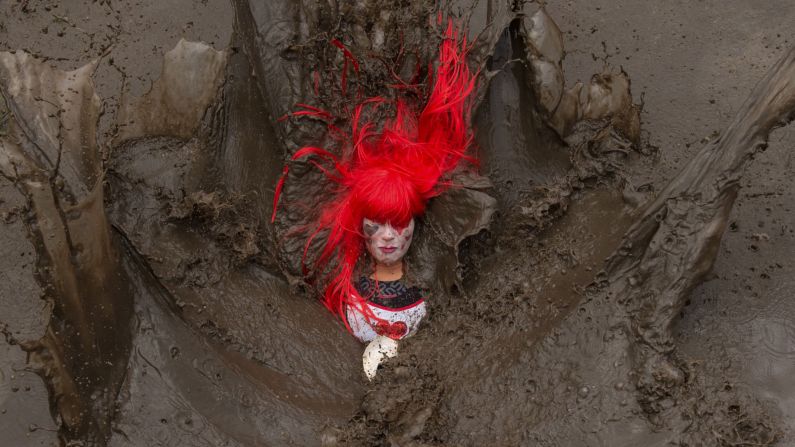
{"x":617,"y":273}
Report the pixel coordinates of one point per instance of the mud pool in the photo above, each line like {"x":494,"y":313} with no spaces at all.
{"x":617,"y":274}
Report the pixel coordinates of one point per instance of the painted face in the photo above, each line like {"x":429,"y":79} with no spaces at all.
{"x":385,"y":243}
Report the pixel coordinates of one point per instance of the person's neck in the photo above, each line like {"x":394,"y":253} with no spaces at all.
{"x":385,"y":272}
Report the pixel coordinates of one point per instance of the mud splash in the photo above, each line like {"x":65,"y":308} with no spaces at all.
{"x":51,"y":155}
{"x":174,"y":315}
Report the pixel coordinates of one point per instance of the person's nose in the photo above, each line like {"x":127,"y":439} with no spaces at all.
{"x":390,"y":234}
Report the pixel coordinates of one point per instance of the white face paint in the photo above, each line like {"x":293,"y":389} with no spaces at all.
{"x":386,"y":244}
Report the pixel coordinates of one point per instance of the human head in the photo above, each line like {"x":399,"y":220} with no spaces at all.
{"x":386,"y":243}
{"x":387,"y":173}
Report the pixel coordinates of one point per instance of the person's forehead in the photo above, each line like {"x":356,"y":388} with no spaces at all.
{"x":366,"y":221}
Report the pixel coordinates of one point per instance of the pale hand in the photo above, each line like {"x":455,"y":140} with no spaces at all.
{"x":378,"y":350}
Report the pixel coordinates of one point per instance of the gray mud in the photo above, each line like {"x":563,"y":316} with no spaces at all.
{"x":597,"y":282}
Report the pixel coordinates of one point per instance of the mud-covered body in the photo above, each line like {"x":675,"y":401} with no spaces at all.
{"x":399,"y":308}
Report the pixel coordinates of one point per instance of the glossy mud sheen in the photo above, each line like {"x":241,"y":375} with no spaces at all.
{"x":148,"y":301}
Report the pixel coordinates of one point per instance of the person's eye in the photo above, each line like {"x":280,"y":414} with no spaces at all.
{"x":370,"y":229}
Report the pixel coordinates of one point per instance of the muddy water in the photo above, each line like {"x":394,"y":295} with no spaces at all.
{"x":148,"y":302}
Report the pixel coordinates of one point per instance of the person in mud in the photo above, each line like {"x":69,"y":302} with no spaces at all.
{"x":384,"y":180}
{"x":398,"y":305}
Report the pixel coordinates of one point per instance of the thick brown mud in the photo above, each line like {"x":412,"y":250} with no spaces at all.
{"x":147,"y":300}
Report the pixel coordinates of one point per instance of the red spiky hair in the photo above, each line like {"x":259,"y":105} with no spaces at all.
{"x":388,"y":175}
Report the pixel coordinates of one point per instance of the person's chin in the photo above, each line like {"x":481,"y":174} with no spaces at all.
{"x":388,"y":261}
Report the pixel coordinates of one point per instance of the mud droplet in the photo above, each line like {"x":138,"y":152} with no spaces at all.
{"x":583,"y":391}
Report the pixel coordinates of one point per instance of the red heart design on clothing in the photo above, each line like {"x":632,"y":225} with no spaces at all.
{"x":394,"y":330}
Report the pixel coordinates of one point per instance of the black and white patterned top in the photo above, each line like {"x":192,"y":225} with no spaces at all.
{"x":390,"y":294}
